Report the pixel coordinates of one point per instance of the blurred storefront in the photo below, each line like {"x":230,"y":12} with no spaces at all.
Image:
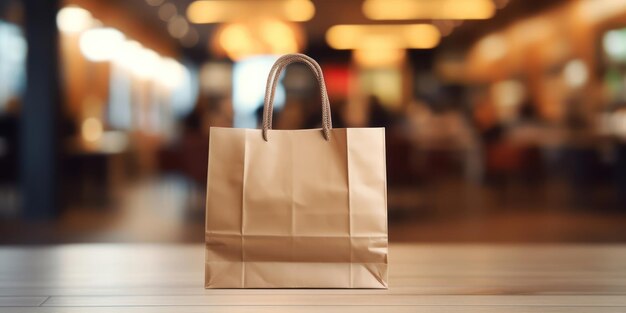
{"x":490,"y":106}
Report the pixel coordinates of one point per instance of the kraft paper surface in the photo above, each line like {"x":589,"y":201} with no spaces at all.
{"x":297,"y":210}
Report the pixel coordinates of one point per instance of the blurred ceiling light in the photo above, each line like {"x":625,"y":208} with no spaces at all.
{"x":100,"y":44}
{"x":428,"y":9}
{"x":167,"y":11}
{"x":216,"y":11}
{"x":493,"y":47}
{"x":279,"y":37}
{"x":266,"y":36}
{"x":128,"y":54}
{"x":177,"y":26}
{"x":73,"y":19}
{"x":91,"y":129}
{"x":414,"y":36}
{"x":601,"y":10}
{"x":378,"y":43}
{"x":237,"y":41}
{"x":508,"y":95}
{"x":154,"y":3}
{"x":299,"y":10}
{"x":575,"y":73}
{"x":96,"y":23}
{"x":445,"y":26}
{"x":533,"y":30}
{"x":146,"y":63}
{"x":140,"y":61}
{"x":190,"y":39}
{"x":170,"y":73}
{"x":378,"y":57}
{"x":614,"y":43}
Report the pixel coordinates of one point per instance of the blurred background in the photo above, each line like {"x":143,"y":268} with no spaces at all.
{"x":506,"y":119}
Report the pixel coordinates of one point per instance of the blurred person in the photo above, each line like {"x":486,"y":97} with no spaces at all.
{"x":528,"y":111}
{"x":191,"y":150}
{"x":218,"y":112}
{"x":617,"y":128}
{"x":291,"y":116}
{"x":582,"y":156}
{"x":447,"y":127}
{"x":501,"y":158}
{"x":9,"y":148}
{"x":446,"y":131}
{"x":258,"y":113}
{"x":378,"y":115}
{"x":613,"y":124}
{"x":189,"y":153}
{"x":313,"y":117}
{"x":416,"y":116}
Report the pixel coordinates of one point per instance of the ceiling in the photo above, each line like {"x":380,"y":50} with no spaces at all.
{"x":332,"y":12}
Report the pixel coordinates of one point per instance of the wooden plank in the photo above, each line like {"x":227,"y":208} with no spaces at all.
{"x":439,"y":289}
{"x":21,"y":301}
{"x":325,"y":309}
{"x":340,"y":300}
{"x":423,"y":278}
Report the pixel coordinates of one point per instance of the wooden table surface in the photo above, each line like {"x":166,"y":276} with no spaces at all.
{"x":423,"y":278}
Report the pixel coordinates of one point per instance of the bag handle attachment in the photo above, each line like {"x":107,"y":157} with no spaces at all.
{"x":270,"y":90}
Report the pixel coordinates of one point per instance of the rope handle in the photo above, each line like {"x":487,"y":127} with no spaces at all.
{"x":270,"y":90}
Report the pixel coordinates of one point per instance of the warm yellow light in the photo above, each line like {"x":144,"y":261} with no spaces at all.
{"x":493,"y":47}
{"x":217,"y":11}
{"x":391,"y":9}
{"x":259,"y":36}
{"x":597,"y":11}
{"x":299,"y":10}
{"x":101,"y":44}
{"x":279,"y":37}
{"x":204,"y":12}
{"x":576,"y":73}
{"x":378,"y":57}
{"x":485,"y":59}
{"x":379,"y":43}
{"x":467,"y":9}
{"x":344,"y":37}
{"x":73,"y":19}
{"x":91,"y":129}
{"x":428,"y":9}
{"x":414,"y":36}
{"x":237,"y":41}
{"x":421,"y":36}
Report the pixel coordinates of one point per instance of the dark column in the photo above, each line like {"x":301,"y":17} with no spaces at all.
{"x":3,"y":5}
{"x":40,"y":113}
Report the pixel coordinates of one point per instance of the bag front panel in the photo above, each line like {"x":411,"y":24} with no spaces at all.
{"x":299,"y":225}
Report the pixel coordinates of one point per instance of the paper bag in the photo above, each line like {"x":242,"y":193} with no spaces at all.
{"x":296,"y":208}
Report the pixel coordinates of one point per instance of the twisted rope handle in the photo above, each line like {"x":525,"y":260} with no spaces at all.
{"x":270,"y":90}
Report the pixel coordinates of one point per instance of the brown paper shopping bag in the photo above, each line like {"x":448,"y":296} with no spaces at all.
{"x":296,"y":208}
